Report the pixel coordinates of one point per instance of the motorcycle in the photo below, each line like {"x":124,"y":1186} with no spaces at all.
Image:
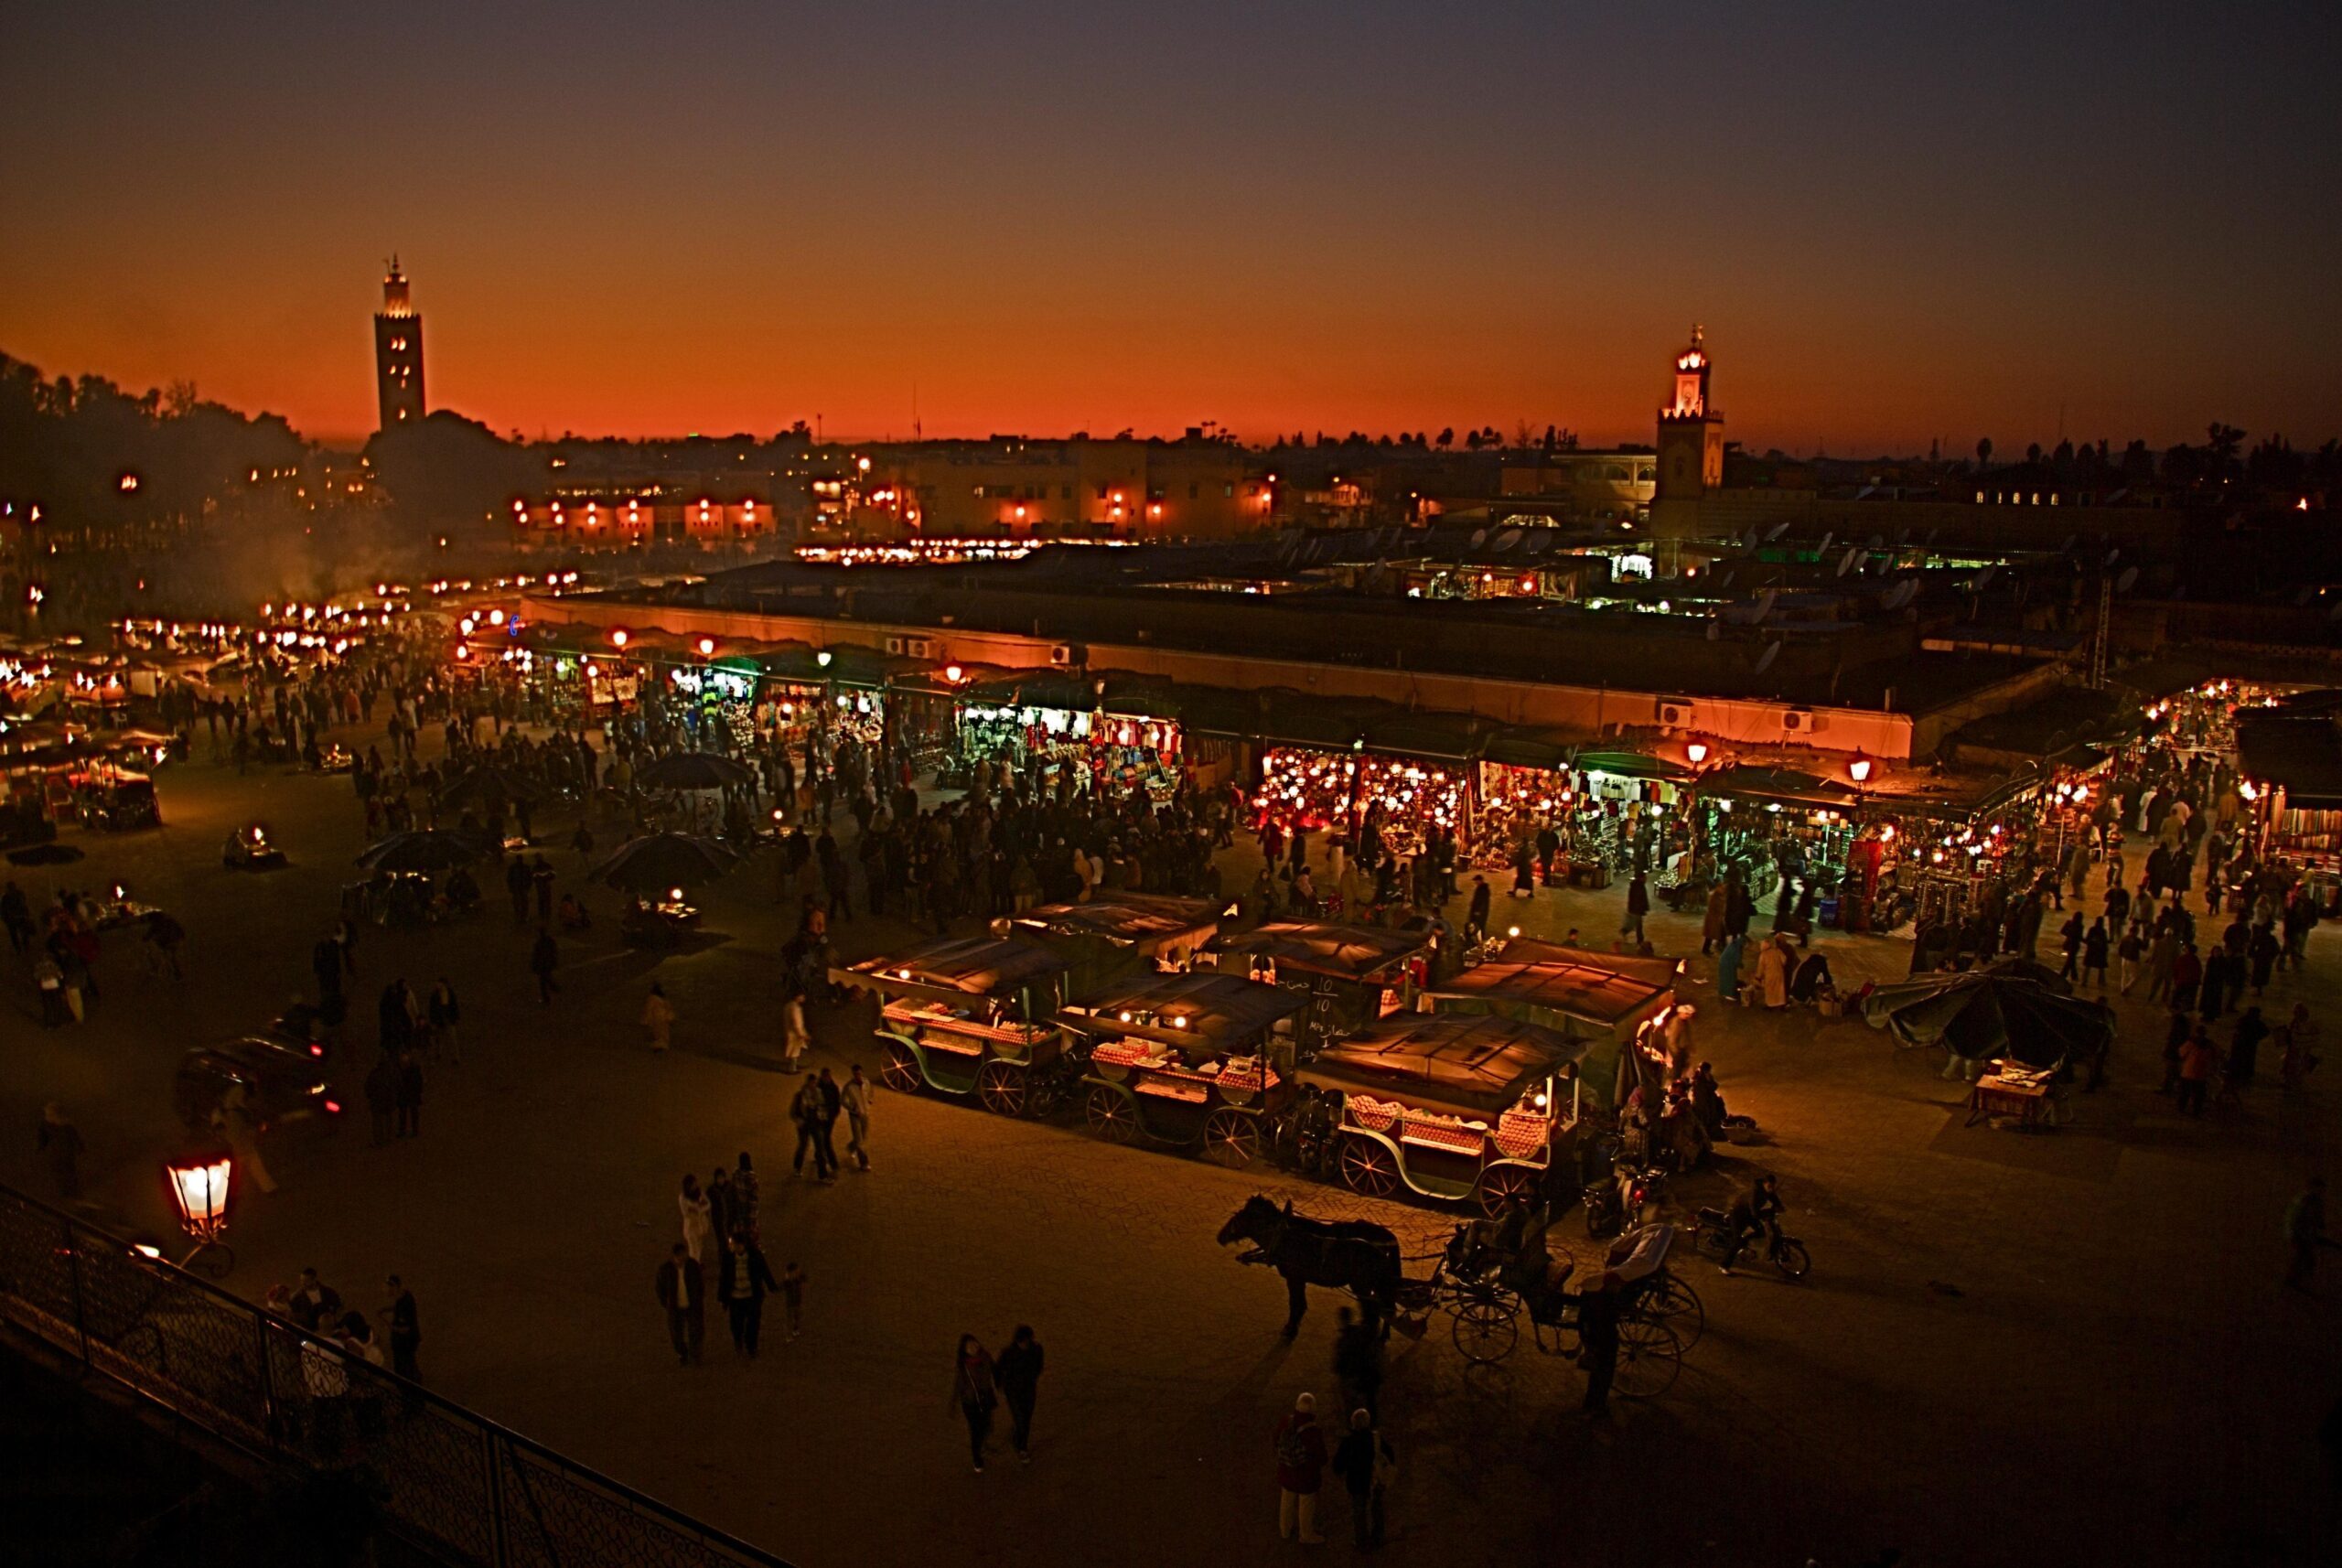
{"x":1785,"y":1252}
{"x":1633,"y":1195}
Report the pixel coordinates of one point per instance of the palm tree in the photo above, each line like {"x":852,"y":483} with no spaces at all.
{"x":1984,"y":453}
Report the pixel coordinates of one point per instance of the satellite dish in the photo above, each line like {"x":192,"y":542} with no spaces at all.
{"x":1778,"y":529}
{"x":2113,"y":555}
{"x":2127,"y":581}
{"x":2068,"y":547}
{"x":1824,"y":548}
{"x":1715,"y":627}
{"x":1902,"y":594}
{"x":1507,"y":539}
{"x":1984,"y":579}
{"x":2304,"y":597}
{"x":1765,"y":602}
{"x":2335,"y":613}
{"x":1765,"y":660}
{"x":1931,"y":534}
{"x":1479,"y":537}
{"x":1846,"y":562}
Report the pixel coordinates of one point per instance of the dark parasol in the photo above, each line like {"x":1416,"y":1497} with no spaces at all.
{"x":1987,"y":1014}
{"x":653,"y":863}
{"x":429,"y":849}
{"x":694,"y":770}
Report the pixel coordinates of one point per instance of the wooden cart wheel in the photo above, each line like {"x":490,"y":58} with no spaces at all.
{"x":900,"y":1070}
{"x":1368,"y":1167}
{"x":1110,"y":1115}
{"x":1231,"y":1138}
{"x":1650,"y":1356}
{"x":1677,"y":1303}
{"x":1499,"y":1185}
{"x":1485,"y":1330}
{"x":1001,"y":1086}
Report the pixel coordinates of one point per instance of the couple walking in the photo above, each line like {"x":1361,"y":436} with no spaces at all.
{"x":816,"y":1109}
{"x":979,"y":1382}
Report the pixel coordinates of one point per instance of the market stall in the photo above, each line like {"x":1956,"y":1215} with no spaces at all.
{"x":1118,"y":934}
{"x":1602,"y":1002}
{"x":1786,"y":832}
{"x":968,"y":1016}
{"x":1184,"y":1060}
{"x":1351,"y":974}
{"x":1452,"y":1107}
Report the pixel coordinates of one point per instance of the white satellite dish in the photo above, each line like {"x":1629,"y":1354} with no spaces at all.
{"x":1765,"y":660}
{"x":2127,"y":581}
{"x":1984,"y":579}
{"x":1846,"y":562}
{"x":1765,"y":602}
{"x":1479,"y":537}
{"x":1778,"y":529}
{"x":1824,"y":548}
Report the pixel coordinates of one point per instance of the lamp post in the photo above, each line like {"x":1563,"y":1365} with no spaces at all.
{"x":199,"y":1184}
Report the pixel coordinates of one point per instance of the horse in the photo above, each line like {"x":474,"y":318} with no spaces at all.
{"x":1355,"y":1255}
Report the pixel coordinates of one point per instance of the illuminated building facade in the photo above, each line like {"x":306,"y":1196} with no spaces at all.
{"x":1192,"y":489}
{"x":398,"y":354}
{"x":1691,"y":433}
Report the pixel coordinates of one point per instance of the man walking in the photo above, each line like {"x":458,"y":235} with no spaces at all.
{"x":658,"y":1017}
{"x":1300,"y":1471}
{"x":410,"y":1099}
{"x":825,"y":1148}
{"x":517,"y":882}
{"x":1637,"y":905}
{"x":406,"y":1330}
{"x":741,"y":1286}
{"x":2305,"y":1234}
{"x":446,"y":1014}
{"x":856,"y":1097}
{"x":1364,"y":1461}
{"x":806,"y":1112}
{"x":1597,"y":1356}
{"x":544,"y":959}
{"x":1017,"y":1371}
{"x":680,"y":1293}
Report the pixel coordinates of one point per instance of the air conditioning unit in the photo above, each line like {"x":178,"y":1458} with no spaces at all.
{"x":1677,"y":714}
{"x":911,"y":647}
{"x":1069,"y":653}
{"x":1800,"y":721}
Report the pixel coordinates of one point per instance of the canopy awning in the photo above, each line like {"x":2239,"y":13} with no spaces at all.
{"x":1481,"y":1065}
{"x":1126,"y":920}
{"x":1346,"y":952}
{"x":1198,"y":1012}
{"x":1632,"y":764}
{"x":1595,"y":989}
{"x":972,"y":966}
{"x":1785,"y":786}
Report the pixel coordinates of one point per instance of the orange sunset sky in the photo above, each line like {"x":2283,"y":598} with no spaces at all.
{"x":1038,"y":219}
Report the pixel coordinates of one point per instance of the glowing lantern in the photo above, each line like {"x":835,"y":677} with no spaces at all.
{"x":617,"y":637}
{"x":1696,"y":753}
{"x":1859,"y":768}
{"x":952,"y":673}
{"x":706,"y":646}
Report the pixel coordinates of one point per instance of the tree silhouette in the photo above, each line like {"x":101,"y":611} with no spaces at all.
{"x":1984,"y":453}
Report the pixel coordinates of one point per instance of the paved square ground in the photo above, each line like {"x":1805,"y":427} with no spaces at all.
{"x":2013,"y":1350}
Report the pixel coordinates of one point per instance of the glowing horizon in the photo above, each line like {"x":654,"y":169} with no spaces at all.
{"x":1364,"y":217}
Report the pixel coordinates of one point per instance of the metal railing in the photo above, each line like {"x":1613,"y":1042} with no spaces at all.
{"x":448,"y":1481}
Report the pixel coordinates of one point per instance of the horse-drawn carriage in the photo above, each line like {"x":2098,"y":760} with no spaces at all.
{"x":1184,"y":1060}
{"x":1489,"y":1277}
{"x":969,"y":1015}
{"x":1118,"y":934}
{"x":1450,"y":1107}
{"x":1351,"y":975}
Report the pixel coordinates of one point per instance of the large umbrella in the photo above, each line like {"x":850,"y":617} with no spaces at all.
{"x":485,"y":785}
{"x":430,"y":849}
{"x":660,"y":861}
{"x":1985,"y":1014}
{"x":694,"y":770}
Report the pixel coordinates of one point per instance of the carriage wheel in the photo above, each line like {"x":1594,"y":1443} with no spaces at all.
{"x":1499,"y":1185}
{"x":1231,"y":1138}
{"x":1002,"y":1088}
{"x":900,"y":1070}
{"x":1791,"y":1257}
{"x":1650,"y":1356}
{"x":1048,"y":1093}
{"x":1367,"y":1166}
{"x":1485,"y":1330}
{"x":1109,"y":1114}
{"x":1679,"y":1305}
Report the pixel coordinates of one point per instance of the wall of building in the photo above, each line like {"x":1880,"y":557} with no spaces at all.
{"x":1589,"y":710}
{"x":1127,"y":488}
{"x":1954,"y":524}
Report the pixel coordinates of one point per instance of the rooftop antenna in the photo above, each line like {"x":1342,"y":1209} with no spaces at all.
{"x":915,"y":431}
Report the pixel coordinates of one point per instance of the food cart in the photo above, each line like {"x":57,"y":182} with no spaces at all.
{"x":1184,"y":1060}
{"x":1602,"y":1001}
{"x":1118,"y":934}
{"x":968,"y":1016}
{"x":1352,"y":975}
{"x":1453,"y":1107}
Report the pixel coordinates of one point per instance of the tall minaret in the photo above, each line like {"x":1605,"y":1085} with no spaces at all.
{"x":398,"y":353}
{"x":1690,"y":447}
